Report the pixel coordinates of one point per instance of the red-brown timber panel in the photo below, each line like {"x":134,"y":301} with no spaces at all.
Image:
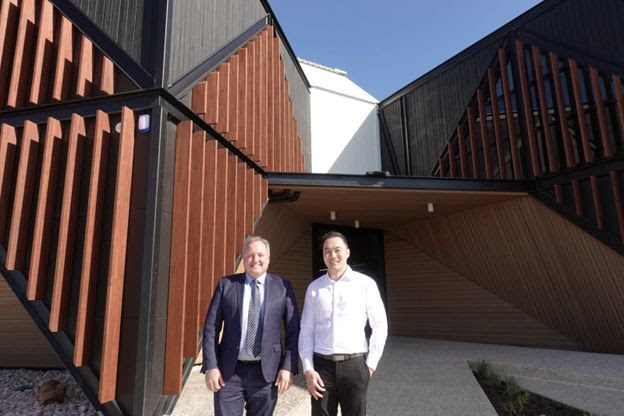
{"x":528,"y":112}
{"x":93,"y":235}
{"x":23,"y":196}
{"x":600,"y":112}
{"x":212,"y":99}
{"x":452,"y":161}
{"x":578,"y":198}
{"x":222,"y":213}
{"x":553,"y":166}
{"x":442,"y":167}
{"x":241,"y":205}
{"x":617,"y":82}
{"x":498,"y":134}
{"x":511,"y":131}
{"x":43,"y":54}
{"x":232,"y":204}
{"x":8,"y":145}
{"x":280,"y":114}
{"x":223,"y":122}
{"x":249,"y":200}
{"x":22,"y":55}
{"x":463,"y":158}
{"x":257,"y":195}
{"x":270,"y":144}
{"x":241,"y":116}
{"x":194,"y":244}
{"x":84,"y":81}
{"x":64,"y":62}
{"x":232,"y":128}
{"x":257,"y":97}
{"x":561,"y":112}
{"x":250,"y":129}
{"x":474,"y":151}
{"x":8,"y":28}
{"x":105,"y":81}
{"x":198,"y":99}
{"x":174,"y":342}
{"x":264,"y":196}
{"x":617,"y":199}
{"x":48,"y":182}
{"x":485,"y":140}
{"x":67,"y":228}
{"x":580,"y":111}
{"x":208,"y":224}
{"x":116,"y":270}
{"x":265,"y":98}
{"x":597,"y":202}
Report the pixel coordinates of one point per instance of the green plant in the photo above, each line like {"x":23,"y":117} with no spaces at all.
{"x":484,"y":373}
{"x":511,"y":387}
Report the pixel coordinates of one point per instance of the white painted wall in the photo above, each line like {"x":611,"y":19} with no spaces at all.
{"x":344,"y":123}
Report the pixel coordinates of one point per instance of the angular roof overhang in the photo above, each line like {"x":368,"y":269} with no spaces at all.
{"x":381,"y":201}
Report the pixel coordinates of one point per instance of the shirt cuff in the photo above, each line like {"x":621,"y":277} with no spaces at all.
{"x":307,"y":363}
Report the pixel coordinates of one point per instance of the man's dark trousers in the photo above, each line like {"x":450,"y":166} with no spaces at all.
{"x":345,"y":382}
{"x":247,"y":385}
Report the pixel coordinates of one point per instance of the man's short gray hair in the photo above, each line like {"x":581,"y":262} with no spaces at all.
{"x":253,"y":238}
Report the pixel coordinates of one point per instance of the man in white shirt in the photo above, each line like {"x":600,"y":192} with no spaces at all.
{"x":338,"y":360}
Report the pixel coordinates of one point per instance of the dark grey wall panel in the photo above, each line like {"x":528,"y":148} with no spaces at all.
{"x":395,"y":148}
{"x":199,"y":28}
{"x":121,"y":20}
{"x":592,"y":27}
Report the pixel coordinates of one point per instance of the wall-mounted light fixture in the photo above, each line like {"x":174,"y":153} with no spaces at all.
{"x":430,"y":207}
{"x":332,"y":215}
{"x":357,"y":224}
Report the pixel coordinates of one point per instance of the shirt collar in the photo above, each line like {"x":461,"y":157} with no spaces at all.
{"x":346,"y":276}
{"x":260,"y":280}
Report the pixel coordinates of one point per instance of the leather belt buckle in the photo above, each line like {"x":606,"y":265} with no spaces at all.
{"x":341,"y":357}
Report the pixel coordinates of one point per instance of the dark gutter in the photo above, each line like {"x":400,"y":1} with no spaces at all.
{"x":394,"y":182}
{"x":495,"y":36}
{"x":282,"y":35}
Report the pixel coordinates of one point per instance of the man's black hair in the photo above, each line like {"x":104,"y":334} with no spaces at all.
{"x":332,"y":234}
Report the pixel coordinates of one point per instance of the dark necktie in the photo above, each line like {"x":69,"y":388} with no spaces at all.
{"x":254,"y":322}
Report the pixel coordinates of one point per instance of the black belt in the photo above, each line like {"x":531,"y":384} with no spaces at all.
{"x":339,"y":357}
{"x":249,"y":361}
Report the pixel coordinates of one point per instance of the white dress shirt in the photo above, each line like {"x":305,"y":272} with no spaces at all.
{"x":242,"y":351}
{"x":334,"y":317}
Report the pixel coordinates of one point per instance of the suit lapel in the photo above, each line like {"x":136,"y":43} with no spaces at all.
{"x":239,"y":298}
{"x":268,"y":298}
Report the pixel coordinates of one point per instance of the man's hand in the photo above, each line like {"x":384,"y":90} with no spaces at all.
{"x":284,"y":381}
{"x":370,"y":372}
{"x":214,"y":381}
{"x":315,"y":384}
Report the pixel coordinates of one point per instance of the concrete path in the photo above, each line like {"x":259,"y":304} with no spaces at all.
{"x":419,"y":377}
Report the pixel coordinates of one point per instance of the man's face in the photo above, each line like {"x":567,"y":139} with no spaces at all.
{"x":256,"y":259}
{"x":335,"y":255}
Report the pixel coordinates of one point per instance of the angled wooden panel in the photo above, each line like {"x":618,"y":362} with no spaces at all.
{"x":528,"y":110}
{"x":84,"y":81}
{"x":472,"y":137}
{"x":597,"y":202}
{"x":232,"y":127}
{"x":241,"y":115}
{"x":105,"y":78}
{"x":64,"y":61}
{"x":265,"y":98}
{"x":600,"y":112}
{"x":8,"y":145}
{"x":249,"y":201}
{"x":194,"y":244}
{"x":511,"y":131}
{"x":221,"y":213}
{"x":93,"y":236}
{"x":117,"y":262}
{"x":22,"y":200}
{"x":224,"y":98}
{"x":212,"y":99}
{"x":67,"y":228}
{"x":553,"y":165}
{"x":463,"y":158}
{"x":257,"y":98}
{"x":250,"y":130}
{"x":232,"y":204}
{"x":257,"y":195}
{"x":208,"y":224}
{"x":270,"y":98}
{"x":43,"y":54}
{"x":618,"y":201}
{"x":280,"y":114}
{"x":48,"y":184}
{"x":561,"y":111}
{"x":485,"y":139}
{"x":619,"y":96}
{"x":174,"y":342}
{"x":23,"y":53}
{"x":8,"y":28}
{"x":198,"y":99}
{"x":588,"y":156}
{"x":498,"y":133}
{"x":241,"y":204}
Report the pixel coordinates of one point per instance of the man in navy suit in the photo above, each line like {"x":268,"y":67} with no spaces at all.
{"x":248,"y":365}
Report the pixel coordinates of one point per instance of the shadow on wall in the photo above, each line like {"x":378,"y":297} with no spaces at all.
{"x":362,"y":152}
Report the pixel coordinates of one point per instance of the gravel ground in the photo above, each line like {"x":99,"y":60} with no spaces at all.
{"x":19,"y":388}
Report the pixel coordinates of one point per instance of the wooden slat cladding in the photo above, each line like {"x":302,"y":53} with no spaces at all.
{"x":543,"y":265}
{"x":249,"y":104}
{"x":44,"y":58}
{"x":216,"y":200}
{"x":428,"y":299}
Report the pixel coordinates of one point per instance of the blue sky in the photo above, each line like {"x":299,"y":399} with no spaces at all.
{"x":385,"y":44}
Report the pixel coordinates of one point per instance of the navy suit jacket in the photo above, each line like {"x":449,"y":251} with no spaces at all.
{"x":225,"y":312}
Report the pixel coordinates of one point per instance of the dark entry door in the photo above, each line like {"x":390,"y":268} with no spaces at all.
{"x":367,"y":252}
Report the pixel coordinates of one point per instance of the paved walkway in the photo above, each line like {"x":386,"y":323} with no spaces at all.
{"x":422,"y":377}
